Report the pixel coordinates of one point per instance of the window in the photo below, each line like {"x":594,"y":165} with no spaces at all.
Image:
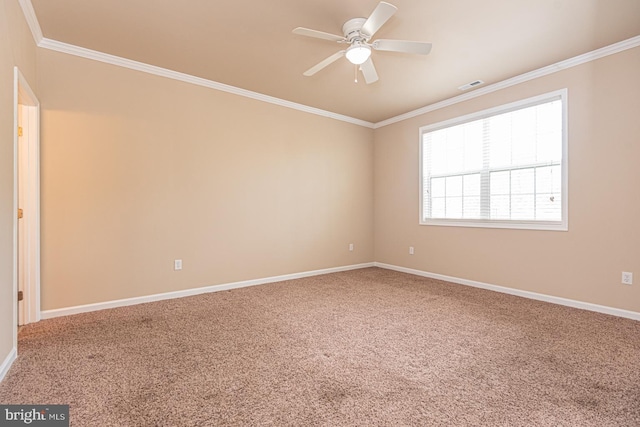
{"x":503,"y":167}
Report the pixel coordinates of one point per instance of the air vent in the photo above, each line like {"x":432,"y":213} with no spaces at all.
{"x":470,"y":85}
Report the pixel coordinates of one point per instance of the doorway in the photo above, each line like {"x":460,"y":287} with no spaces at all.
{"x":26,"y":203}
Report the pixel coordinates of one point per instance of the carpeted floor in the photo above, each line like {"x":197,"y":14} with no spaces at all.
{"x":365,"y":347}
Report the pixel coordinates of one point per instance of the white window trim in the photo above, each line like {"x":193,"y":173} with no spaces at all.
{"x":562,"y":225}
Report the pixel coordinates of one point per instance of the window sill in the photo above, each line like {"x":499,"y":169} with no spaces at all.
{"x":518,"y":225}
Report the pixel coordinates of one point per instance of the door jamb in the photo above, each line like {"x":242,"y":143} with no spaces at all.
{"x":24,"y":95}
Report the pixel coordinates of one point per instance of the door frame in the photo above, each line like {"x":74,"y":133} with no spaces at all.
{"x":26,"y":101}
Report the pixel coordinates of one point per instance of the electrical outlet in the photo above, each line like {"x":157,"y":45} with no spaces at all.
{"x":627,"y":278}
{"x":177,"y":264}
{"x":351,"y":247}
{"x":410,"y":250}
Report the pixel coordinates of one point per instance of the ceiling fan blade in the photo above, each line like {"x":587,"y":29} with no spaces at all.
{"x":317,"y":34}
{"x":403,"y":46}
{"x":369,"y":71}
{"x":333,"y":58}
{"x":380,"y":15}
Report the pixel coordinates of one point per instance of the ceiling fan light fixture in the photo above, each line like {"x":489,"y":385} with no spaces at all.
{"x":358,"y":53}
{"x":357,"y":34}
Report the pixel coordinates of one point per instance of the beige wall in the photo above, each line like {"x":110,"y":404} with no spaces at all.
{"x":16,"y":48}
{"x":584,"y":263}
{"x":139,"y":170}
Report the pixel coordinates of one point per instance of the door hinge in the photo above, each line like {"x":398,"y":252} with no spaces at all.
{"x":20,"y":296}
{"x":19,"y":130}
{"x":20,"y":213}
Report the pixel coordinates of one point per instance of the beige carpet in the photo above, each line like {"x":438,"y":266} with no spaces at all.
{"x":366,"y":347}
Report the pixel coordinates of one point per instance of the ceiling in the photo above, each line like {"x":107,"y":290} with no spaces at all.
{"x":249,"y":44}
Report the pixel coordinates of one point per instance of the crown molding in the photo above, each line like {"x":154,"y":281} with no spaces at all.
{"x":32,"y":20}
{"x":187,"y":78}
{"x":45,"y":43}
{"x":540,"y":72}
{"x":41,"y":41}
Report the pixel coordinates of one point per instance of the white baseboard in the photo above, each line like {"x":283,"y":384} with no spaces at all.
{"x":48,"y":314}
{"x":8,"y":361}
{"x":525,"y":294}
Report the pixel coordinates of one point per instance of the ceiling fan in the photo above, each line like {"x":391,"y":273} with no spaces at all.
{"x":357,"y":33}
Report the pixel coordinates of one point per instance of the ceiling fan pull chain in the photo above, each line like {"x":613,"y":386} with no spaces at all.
{"x":355,"y":67}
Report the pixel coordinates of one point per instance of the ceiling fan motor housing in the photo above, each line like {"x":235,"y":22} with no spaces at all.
{"x":357,"y":33}
{"x":352,"y":30}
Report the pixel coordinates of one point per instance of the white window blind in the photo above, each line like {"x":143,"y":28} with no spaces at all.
{"x":504,"y":167}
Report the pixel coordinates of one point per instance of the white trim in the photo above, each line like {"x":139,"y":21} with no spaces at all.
{"x":8,"y":361}
{"x":43,"y":42}
{"x":14,"y":283}
{"x":187,"y":78}
{"x":517,"y":292}
{"x":32,"y":20}
{"x":48,"y":314}
{"x":25,"y":97}
{"x":561,"y":225}
{"x":23,"y":166}
{"x":540,"y":72}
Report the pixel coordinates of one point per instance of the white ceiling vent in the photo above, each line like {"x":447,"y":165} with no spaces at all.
{"x":470,"y":85}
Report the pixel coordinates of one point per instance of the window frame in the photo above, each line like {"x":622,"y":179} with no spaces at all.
{"x":562,"y":224}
